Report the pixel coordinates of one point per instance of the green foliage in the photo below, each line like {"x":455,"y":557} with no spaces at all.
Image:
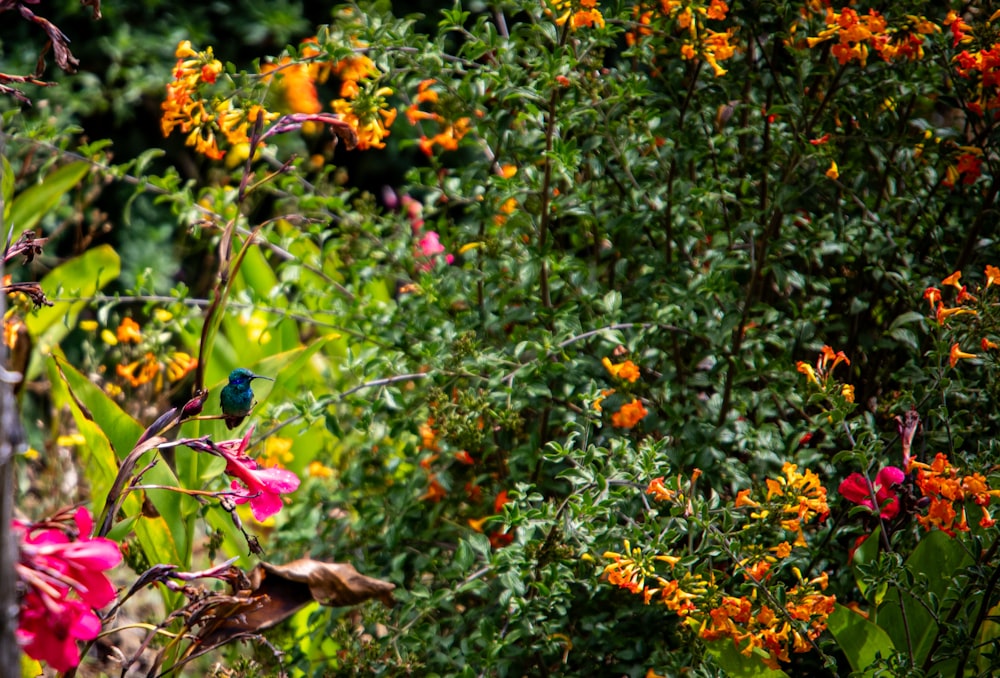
{"x":636,"y":260}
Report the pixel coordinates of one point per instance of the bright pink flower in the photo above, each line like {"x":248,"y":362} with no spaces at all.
{"x":56,"y":561}
{"x":855,"y":488}
{"x":430,"y":245}
{"x":261,"y":487}
{"x":49,"y":629}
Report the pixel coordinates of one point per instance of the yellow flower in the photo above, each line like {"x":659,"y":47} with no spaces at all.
{"x":316,"y":469}
{"x":807,"y":369}
{"x":847,"y":391}
{"x":833,"y":172}
{"x":369,"y":115}
{"x":179,"y":365}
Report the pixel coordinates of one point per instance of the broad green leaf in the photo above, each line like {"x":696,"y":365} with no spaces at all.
{"x":736,"y":665}
{"x":6,"y":193}
{"x":79,"y":278}
{"x":172,"y":545}
{"x":861,"y":641}
{"x":35,"y":202}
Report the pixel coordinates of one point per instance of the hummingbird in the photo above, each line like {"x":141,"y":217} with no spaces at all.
{"x":237,"y":396}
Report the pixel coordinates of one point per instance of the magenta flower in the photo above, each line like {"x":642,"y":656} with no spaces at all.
{"x":262,"y":487}
{"x":49,"y":629}
{"x":429,"y":246}
{"x":855,"y":488}
{"x":55,"y":562}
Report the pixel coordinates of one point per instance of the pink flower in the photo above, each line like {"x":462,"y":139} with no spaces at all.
{"x":430,"y":245}
{"x":261,"y":487}
{"x":56,"y":561}
{"x":855,"y":488}
{"x":48,"y":629}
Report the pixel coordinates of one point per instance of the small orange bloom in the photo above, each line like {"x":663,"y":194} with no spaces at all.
{"x":956,"y":353}
{"x":128,"y":331}
{"x":629,"y":415}
{"x":141,"y":371}
{"x":435,"y":491}
{"x":626,"y":370}
{"x":992,"y":275}
{"x":932,"y":295}
{"x":659,"y":491}
{"x":953,"y":280}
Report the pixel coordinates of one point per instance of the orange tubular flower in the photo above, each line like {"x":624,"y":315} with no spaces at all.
{"x":992,"y":275}
{"x":953,"y":280}
{"x":932,"y":295}
{"x":141,"y":371}
{"x":956,"y":354}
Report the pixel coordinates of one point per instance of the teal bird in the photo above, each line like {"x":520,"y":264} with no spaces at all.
{"x":237,"y":396}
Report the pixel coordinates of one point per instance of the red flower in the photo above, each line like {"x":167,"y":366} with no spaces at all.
{"x":855,"y":488}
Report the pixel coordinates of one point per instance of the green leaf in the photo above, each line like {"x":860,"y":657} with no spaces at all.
{"x":166,"y":538}
{"x":736,"y":665}
{"x":906,"y":319}
{"x":35,"y":202}
{"x":935,"y":562}
{"x":79,"y":278}
{"x":861,"y":641}
{"x":6,"y":193}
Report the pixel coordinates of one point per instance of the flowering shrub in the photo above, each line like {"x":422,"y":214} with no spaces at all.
{"x":549,"y":293}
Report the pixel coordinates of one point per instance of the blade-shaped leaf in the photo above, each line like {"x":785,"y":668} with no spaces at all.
{"x":35,"y":202}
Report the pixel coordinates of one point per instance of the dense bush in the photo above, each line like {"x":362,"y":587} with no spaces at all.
{"x":548,"y":294}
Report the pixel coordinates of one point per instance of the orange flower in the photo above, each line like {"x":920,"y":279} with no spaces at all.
{"x":659,"y":490}
{"x":987,"y":344}
{"x":141,"y":371}
{"x":316,"y":469}
{"x":428,"y":436}
{"x":932,"y":295}
{"x":992,"y":275}
{"x":435,"y":491}
{"x":626,"y":370}
{"x":953,"y":280}
{"x":629,"y":415}
{"x":956,"y":353}
{"x":944,"y":313}
{"x":128,"y":331}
